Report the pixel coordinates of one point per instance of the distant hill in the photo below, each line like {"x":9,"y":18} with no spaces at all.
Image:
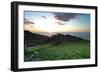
{"x":32,"y":39}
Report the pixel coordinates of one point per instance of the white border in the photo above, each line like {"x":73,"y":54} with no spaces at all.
{"x":22,"y":64}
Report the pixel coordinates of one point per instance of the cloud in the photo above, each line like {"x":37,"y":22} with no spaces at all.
{"x":28,"y":21}
{"x":66,"y":16}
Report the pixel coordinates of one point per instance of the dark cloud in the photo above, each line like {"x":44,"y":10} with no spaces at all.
{"x":66,"y":16}
{"x":44,"y":17}
{"x":27,"y":21}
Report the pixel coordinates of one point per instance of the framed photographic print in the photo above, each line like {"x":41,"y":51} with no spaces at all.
{"x":52,"y":36}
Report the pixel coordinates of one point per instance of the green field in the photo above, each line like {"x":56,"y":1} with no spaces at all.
{"x":64,"y":51}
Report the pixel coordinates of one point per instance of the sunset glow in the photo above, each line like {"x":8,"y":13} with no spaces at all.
{"x":46,"y":22}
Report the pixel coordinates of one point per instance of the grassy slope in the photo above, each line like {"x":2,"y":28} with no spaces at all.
{"x":67,"y":50}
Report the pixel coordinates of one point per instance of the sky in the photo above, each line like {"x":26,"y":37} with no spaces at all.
{"x":56,"y":22}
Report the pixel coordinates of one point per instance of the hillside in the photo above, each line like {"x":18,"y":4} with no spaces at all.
{"x":57,"y":47}
{"x":32,"y":39}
